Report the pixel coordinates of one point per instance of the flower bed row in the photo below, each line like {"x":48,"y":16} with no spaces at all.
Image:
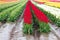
{"x":54,"y":4}
{"x":51,"y":13}
{"x":35,"y":21}
{"x":7,"y":5}
{"x":12,"y":13}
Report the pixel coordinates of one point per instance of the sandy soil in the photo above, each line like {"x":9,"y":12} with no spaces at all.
{"x":10,"y":31}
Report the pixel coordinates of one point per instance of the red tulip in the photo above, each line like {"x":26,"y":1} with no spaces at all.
{"x":39,"y":14}
{"x":27,"y":14}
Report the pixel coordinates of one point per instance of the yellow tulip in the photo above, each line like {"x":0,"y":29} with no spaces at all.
{"x":54,"y":4}
{"x":42,"y":0}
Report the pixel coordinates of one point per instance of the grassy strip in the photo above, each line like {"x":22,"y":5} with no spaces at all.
{"x":16,"y":13}
{"x":5,"y":6}
{"x":5,"y":13}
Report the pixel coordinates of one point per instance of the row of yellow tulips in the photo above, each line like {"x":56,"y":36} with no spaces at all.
{"x":54,"y":4}
{"x":49,"y":3}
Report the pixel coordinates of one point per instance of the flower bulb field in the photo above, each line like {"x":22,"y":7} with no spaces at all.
{"x":29,"y":20}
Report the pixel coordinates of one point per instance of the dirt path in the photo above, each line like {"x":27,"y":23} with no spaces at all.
{"x":17,"y":34}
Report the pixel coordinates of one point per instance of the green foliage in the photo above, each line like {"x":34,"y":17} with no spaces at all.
{"x":4,"y":14}
{"x":58,"y":22}
{"x":6,"y":6}
{"x":44,"y":27}
{"x":16,"y":13}
{"x":28,"y":29}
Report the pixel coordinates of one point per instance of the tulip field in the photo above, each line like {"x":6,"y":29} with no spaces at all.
{"x":29,"y":20}
{"x":11,"y":10}
{"x":54,"y":4}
